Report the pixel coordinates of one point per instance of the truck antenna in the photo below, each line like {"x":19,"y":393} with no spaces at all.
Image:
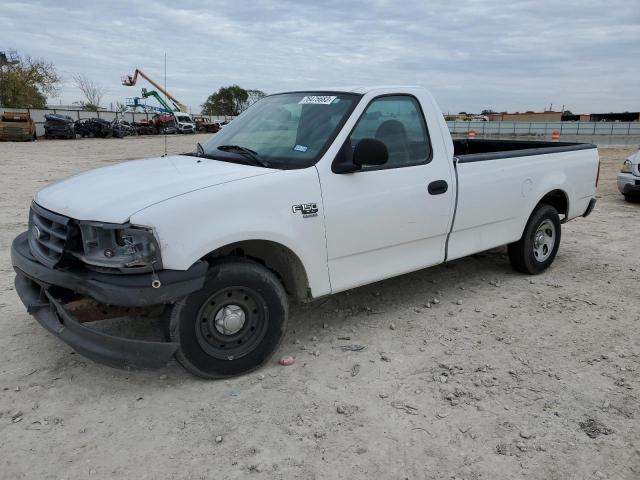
{"x":165,"y":100}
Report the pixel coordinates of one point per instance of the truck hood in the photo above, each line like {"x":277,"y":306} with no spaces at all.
{"x":112,"y":194}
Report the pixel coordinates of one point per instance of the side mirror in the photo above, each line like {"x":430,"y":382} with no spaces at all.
{"x":370,"y":151}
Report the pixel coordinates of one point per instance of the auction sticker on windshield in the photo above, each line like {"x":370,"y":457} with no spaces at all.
{"x":317,"y":99}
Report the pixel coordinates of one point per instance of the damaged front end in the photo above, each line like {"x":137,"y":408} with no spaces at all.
{"x":70,"y":272}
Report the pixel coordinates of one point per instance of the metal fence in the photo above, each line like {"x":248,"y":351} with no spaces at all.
{"x":455,"y":127}
{"x":545,"y":128}
{"x":38,"y":115}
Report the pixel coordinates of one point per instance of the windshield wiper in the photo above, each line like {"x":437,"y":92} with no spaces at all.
{"x":246,"y":153}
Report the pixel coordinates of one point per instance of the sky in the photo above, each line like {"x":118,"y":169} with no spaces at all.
{"x":472,"y":55}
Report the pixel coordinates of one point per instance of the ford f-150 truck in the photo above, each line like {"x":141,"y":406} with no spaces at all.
{"x":305,"y":194}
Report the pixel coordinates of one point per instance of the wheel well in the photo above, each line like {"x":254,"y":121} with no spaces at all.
{"x":557,"y":199}
{"x":276,"y":257}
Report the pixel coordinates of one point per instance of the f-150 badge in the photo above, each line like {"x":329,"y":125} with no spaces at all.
{"x":306,"y":209}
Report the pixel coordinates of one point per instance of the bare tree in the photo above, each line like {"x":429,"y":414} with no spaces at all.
{"x":121,"y":107}
{"x":93,"y":92}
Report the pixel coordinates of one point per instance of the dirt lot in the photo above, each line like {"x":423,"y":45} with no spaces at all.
{"x":506,"y":377}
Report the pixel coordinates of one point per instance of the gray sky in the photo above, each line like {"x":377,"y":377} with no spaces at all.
{"x":504,"y":55}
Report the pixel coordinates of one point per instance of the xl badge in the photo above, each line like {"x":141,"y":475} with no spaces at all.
{"x":306,"y":209}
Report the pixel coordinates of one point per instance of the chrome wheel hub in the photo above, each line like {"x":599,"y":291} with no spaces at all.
{"x":544,"y":240}
{"x":230,"y":319}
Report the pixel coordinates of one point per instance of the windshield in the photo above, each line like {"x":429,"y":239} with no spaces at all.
{"x":290,"y":130}
{"x":183,"y":118}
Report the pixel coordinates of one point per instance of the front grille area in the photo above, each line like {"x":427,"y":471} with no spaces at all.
{"x":49,"y":234}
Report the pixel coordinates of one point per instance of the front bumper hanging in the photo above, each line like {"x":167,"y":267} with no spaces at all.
{"x":100,"y":347}
{"x":34,"y":283}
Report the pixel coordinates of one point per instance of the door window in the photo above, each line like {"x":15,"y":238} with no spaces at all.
{"x":396,"y":121}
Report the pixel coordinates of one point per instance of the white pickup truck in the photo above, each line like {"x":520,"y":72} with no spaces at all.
{"x":303,"y":195}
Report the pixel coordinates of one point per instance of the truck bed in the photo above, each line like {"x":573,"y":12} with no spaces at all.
{"x":496,"y":197}
{"x":475,"y":150}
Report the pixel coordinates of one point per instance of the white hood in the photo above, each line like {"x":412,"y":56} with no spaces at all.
{"x":112,"y":194}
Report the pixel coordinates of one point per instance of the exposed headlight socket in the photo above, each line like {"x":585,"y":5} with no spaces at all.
{"x":127,"y":248}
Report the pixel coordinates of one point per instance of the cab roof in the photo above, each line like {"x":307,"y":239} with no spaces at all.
{"x":361,"y":90}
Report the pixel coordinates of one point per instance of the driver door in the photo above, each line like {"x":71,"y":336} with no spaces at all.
{"x":383,"y":221}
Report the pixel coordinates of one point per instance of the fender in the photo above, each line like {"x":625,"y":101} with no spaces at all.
{"x":191,"y":226}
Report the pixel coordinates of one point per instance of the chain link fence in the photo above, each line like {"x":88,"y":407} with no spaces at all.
{"x":544,"y":128}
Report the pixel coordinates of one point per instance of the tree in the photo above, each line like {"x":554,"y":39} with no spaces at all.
{"x":567,"y":113}
{"x":121,"y":107}
{"x":487,"y":112}
{"x":254,"y":96}
{"x":93,"y":93}
{"x":230,"y":101}
{"x":26,"y":82}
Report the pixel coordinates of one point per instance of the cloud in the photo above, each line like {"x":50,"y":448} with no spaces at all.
{"x":472,"y":55}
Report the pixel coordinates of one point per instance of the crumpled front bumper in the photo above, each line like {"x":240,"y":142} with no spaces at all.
{"x":100,"y":347}
{"x":34,"y":284}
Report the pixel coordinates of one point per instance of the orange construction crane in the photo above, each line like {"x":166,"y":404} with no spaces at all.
{"x":130,"y":81}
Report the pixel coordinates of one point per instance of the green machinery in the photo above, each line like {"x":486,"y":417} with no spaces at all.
{"x":152,"y":93}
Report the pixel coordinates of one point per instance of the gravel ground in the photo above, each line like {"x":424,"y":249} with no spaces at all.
{"x":503,"y":377}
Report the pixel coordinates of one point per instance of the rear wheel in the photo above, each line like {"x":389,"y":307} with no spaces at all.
{"x":233,"y":324}
{"x":537,"y":248}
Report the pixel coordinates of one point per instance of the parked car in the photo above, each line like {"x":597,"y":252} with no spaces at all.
{"x":17,"y":126}
{"x":629,"y":178}
{"x":145,"y":127}
{"x":165,"y":123}
{"x":205,"y":125}
{"x":93,"y":127}
{"x":59,"y":126}
{"x":271,"y":208}
{"x":122,"y":128}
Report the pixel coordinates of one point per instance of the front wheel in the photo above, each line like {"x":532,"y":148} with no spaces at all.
{"x":233,"y":324}
{"x":538,"y":246}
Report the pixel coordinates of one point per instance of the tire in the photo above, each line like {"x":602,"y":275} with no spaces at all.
{"x":632,"y":198}
{"x":538,"y":246}
{"x":255,"y":305}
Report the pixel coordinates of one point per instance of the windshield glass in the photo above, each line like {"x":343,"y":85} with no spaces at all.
{"x":290,"y":130}
{"x":183,"y":118}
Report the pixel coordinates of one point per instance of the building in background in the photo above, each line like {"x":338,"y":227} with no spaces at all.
{"x":552,"y":116}
{"x":548,"y":116}
{"x":616,"y":117}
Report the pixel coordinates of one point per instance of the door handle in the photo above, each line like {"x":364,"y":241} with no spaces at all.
{"x":438,"y":187}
